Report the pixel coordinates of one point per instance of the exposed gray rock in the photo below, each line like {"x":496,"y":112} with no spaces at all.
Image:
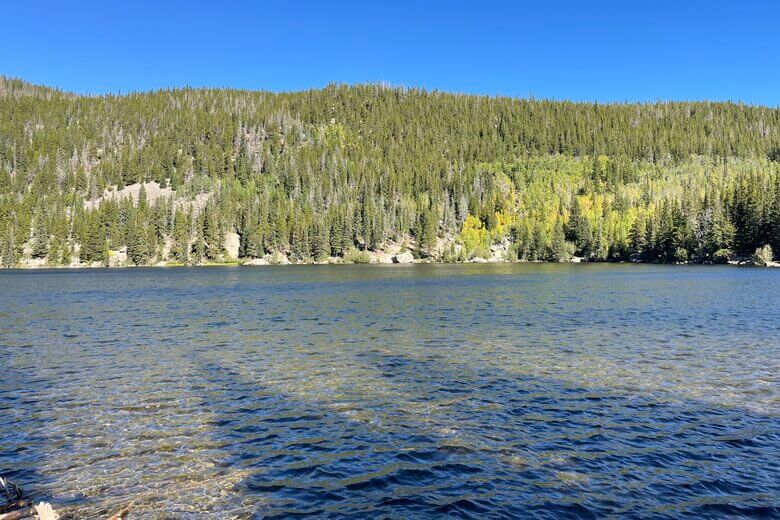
{"x":117,"y":258}
{"x":403,"y":258}
{"x":232,"y":242}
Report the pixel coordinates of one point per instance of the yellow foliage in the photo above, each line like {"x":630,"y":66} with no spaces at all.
{"x":474,"y":238}
{"x":504,"y":221}
{"x":336,"y":136}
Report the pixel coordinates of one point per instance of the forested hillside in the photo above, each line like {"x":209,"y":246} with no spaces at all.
{"x":347,"y":170}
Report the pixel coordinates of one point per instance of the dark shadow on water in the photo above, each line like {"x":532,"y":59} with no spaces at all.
{"x":609,"y":453}
{"x":452,"y":438}
{"x":484,"y":442}
{"x":25,"y":441}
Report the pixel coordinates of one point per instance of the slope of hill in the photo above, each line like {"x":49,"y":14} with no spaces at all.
{"x":355,"y":171}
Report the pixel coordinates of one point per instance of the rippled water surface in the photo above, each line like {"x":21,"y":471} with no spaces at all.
{"x":398,"y":391}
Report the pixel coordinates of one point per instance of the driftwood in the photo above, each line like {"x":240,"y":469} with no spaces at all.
{"x":46,"y":512}
{"x":43,"y":511}
{"x":19,"y":513}
{"x":16,"y":508}
{"x":13,"y":506}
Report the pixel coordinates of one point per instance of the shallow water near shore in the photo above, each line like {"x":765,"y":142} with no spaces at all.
{"x":394,"y":391}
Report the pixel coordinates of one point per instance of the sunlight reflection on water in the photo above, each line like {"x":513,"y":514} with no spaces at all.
{"x":467,"y":390}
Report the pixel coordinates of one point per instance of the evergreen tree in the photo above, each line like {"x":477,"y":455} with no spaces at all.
{"x":253,"y":240}
{"x":181,"y":237}
{"x":199,"y":247}
{"x":639,"y":243}
{"x":9,"y":249}
{"x":320,"y":241}
{"x":93,"y":243}
{"x":212,"y":234}
{"x":389,"y":173}
{"x":426,"y":232}
{"x":579,"y":229}
{"x":40,"y":240}
{"x":139,"y":245}
{"x":560,"y":249}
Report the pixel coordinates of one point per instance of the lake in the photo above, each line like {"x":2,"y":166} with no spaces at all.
{"x":498,"y":391}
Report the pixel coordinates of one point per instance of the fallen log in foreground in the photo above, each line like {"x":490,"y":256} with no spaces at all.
{"x":15,"y":508}
{"x":43,"y":511}
{"x":17,"y":514}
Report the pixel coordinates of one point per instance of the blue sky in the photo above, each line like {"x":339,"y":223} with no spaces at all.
{"x":585,"y":50}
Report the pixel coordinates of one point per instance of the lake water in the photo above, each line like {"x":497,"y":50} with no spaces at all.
{"x":498,"y":391}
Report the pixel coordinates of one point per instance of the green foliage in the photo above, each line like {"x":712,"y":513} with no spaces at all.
{"x":763,"y":255}
{"x":199,"y":247}
{"x":139,"y":243}
{"x":560,"y":250}
{"x":354,"y":256}
{"x":426,"y":232}
{"x":320,"y":244}
{"x":322,"y":172}
{"x":181,"y":237}
{"x":93,"y":239}
{"x":212,"y":234}
{"x":40,"y":240}
{"x":8,"y":253}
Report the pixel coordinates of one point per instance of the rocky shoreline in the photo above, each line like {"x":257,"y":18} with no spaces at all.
{"x":447,"y":251}
{"x":406,"y":258}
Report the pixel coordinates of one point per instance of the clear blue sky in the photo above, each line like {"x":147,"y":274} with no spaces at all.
{"x":583,"y":50}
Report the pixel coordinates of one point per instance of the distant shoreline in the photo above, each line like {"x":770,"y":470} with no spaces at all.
{"x":251,"y":265}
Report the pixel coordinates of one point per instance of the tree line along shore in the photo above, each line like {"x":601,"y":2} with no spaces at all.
{"x":371,"y":173}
